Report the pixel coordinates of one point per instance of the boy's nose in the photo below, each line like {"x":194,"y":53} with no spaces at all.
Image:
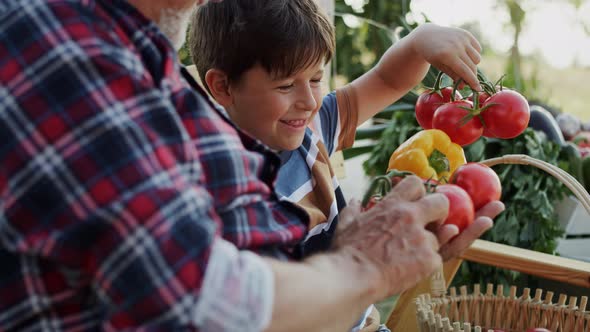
{"x":306,"y":100}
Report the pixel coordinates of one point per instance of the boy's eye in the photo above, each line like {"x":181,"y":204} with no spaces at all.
{"x":285,"y":87}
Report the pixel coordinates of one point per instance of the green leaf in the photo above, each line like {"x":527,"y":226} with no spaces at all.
{"x":475,"y":151}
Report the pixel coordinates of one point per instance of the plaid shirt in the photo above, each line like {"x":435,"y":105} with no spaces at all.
{"x":124,"y":196}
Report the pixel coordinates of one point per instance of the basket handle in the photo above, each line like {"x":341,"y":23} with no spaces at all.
{"x":437,"y":281}
{"x":569,"y":181}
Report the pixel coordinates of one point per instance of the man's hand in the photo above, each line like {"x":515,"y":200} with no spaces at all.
{"x":393,"y":236}
{"x":452,"y":50}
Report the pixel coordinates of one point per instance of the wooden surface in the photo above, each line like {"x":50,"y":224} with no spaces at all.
{"x":551,"y":267}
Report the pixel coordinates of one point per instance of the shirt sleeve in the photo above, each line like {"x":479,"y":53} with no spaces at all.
{"x":101,"y":180}
{"x":348,"y":116}
{"x":337,"y":119}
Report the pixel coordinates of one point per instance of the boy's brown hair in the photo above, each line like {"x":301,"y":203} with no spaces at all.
{"x":283,"y":36}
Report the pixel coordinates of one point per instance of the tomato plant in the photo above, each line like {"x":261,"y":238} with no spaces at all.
{"x":461,"y":211}
{"x":429,"y":101}
{"x":479,"y":181}
{"x":456,"y":120}
{"x":506,"y":114}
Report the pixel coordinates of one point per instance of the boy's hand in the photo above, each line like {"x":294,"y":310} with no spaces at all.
{"x":454,"y":51}
{"x":392,"y":239}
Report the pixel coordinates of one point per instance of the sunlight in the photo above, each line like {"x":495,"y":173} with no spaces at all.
{"x":553,"y":30}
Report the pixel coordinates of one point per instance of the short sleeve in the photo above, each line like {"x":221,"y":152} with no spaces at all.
{"x":337,"y":119}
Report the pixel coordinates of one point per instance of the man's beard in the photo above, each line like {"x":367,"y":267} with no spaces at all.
{"x":174,"y":24}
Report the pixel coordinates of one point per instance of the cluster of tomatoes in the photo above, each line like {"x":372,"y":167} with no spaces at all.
{"x":495,"y":112}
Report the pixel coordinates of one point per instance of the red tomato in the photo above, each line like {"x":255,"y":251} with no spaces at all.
{"x":479,"y":181}
{"x":506,"y":114}
{"x":537,"y":329}
{"x":461,"y":211}
{"x":449,"y":118}
{"x":429,"y":101}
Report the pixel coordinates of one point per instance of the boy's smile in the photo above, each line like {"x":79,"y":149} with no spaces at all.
{"x":296,"y":124}
{"x":276,"y":110}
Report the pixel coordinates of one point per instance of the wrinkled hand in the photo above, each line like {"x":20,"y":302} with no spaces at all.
{"x":393,"y":235}
{"x":452,"y":246}
{"x":452,"y":50}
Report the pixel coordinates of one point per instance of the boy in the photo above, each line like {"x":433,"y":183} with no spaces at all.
{"x":263,"y":61}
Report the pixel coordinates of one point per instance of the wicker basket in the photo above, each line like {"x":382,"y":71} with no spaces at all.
{"x":479,"y":311}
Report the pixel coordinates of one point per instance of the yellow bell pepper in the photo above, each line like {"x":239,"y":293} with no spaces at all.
{"x":429,"y":154}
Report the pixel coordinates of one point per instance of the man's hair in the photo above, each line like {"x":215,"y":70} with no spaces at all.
{"x":283,"y":36}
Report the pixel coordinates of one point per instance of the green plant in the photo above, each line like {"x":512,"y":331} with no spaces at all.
{"x":359,"y":48}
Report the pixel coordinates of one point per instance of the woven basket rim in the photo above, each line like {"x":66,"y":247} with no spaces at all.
{"x":480,"y":311}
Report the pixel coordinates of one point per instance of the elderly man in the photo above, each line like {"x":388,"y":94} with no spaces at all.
{"x":128,"y":202}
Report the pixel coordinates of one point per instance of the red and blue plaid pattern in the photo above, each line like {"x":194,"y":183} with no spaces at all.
{"x":116,"y":177}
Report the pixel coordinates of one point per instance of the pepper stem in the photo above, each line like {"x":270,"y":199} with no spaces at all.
{"x":439,"y":162}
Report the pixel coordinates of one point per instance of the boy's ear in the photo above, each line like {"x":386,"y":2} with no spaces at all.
{"x":218,"y":84}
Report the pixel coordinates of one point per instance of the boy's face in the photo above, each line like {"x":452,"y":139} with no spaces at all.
{"x":276,"y":110}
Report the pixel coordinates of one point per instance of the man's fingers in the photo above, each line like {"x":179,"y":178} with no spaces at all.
{"x":433,"y":240}
{"x":446,"y":232}
{"x":479,"y":226}
{"x":410,"y":188}
{"x":490,"y":210}
{"x":431,"y":208}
